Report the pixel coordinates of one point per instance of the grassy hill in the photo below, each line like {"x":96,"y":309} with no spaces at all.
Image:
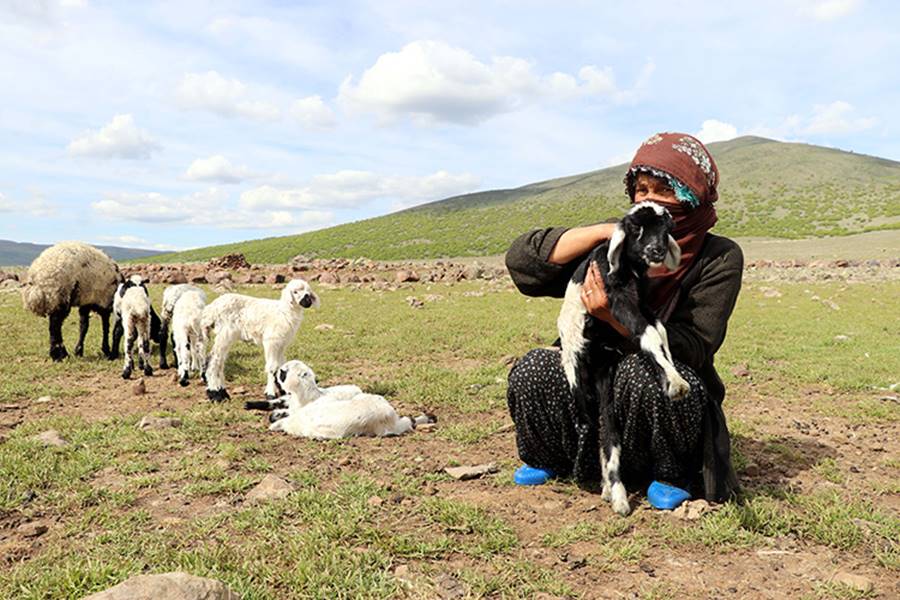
{"x":22,"y":253}
{"x":769,"y":188}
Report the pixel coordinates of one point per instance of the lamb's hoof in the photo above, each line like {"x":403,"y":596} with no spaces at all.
{"x":183,"y":382}
{"x":126,"y":374}
{"x":58,"y":353}
{"x":203,"y":378}
{"x":148,"y":370}
{"x":112,"y":356}
{"x":277,"y":415}
{"x":163,"y":365}
{"x":220,"y":395}
{"x":432,"y":418}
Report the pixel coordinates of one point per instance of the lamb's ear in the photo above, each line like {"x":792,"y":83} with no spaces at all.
{"x":615,"y":248}
{"x":673,"y":256}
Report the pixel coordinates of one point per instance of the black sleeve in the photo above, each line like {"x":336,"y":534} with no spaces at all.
{"x":697,"y":328}
{"x":528,"y":263}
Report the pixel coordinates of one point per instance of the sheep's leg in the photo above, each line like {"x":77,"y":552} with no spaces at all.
{"x":57,"y":348}
{"x":129,"y":348}
{"x":215,"y":370}
{"x":274,"y":353}
{"x":117,"y":333}
{"x":84,"y":316}
{"x":182,"y":349}
{"x":163,"y":344}
{"x":145,"y":350}
{"x":104,"y":322}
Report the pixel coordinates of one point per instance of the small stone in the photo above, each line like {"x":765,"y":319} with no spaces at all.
{"x":449,"y":587}
{"x":139,"y":388}
{"x":324,"y":327}
{"x":752,"y":470}
{"x":414,"y":302}
{"x":402,"y":572}
{"x":50,"y":437}
{"x":343,"y":461}
{"x":740,"y":370}
{"x":857,"y":582}
{"x":374,"y":501}
{"x":42,"y":400}
{"x":691,"y":510}
{"x":426,"y":427}
{"x":471,"y":472}
{"x":271,"y":487}
{"x":172,"y":586}
{"x":151,"y":422}
{"x":32,"y":529}
{"x":841,"y":338}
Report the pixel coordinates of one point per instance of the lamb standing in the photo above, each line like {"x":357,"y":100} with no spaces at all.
{"x":66,"y":275}
{"x":270,"y":323}
{"x":188,"y":333}
{"x":132,"y":306}
{"x":338,"y":412}
{"x":170,"y":298}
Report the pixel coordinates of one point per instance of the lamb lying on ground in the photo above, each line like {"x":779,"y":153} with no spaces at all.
{"x":338,"y":412}
{"x":132,"y":307}
{"x":188,"y":333}
{"x":269,"y":323}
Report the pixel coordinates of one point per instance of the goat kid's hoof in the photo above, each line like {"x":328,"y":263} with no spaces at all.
{"x":148,"y":370}
{"x":163,"y":365}
{"x":678,"y":389}
{"x":183,"y":382}
{"x":126,"y":374}
{"x":217,"y":395}
{"x":79,"y":351}
{"x":620,"y":500}
{"x":57,"y":353}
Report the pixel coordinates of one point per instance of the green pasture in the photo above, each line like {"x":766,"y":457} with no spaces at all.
{"x":327,"y":540}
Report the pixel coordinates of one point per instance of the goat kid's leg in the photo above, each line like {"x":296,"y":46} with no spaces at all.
{"x":215,"y":370}
{"x":182,"y":351}
{"x":104,"y":323}
{"x":84,"y":321}
{"x":163,"y":344}
{"x":129,"y":350}
{"x":655,"y":343}
{"x":117,"y":333}
{"x":274,"y":359}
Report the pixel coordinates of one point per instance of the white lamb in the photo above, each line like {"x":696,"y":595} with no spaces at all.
{"x":338,"y":412}
{"x":188,"y":333}
{"x":169,"y":299}
{"x":269,"y":323}
{"x":132,"y":306}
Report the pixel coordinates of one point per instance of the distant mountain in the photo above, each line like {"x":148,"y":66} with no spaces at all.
{"x":769,"y":188}
{"x":22,"y":253}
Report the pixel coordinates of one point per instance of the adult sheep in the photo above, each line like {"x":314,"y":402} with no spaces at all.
{"x":67,"y":275}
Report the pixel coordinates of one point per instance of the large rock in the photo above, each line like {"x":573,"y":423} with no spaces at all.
{"x":173,"y":276}
{"x":229,"y":261}
{"x":168,"y":586}
{"x":270,"y":488}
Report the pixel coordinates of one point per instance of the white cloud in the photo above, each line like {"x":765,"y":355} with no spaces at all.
{"x":226,"y":97}
{"x":208,"y":208}
{"x":352,"y":189}
{"x":5,"y":204}
{"x":217,"y":169}
{"x":36,"y":206}
{"x":716,"y":131}
{"x":433,"y":81}
{"x":828,"y":10}
{"x":312,"y":113}
{"x":133,"y":241}
{"x":120,"y":139}
{"x":836,"y":117}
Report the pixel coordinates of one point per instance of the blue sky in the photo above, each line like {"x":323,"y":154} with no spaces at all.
{"x":182,"y":124}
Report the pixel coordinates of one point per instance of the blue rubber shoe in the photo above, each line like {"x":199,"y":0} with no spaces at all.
{"x":666,"y":497}
{"x":528,"y":475}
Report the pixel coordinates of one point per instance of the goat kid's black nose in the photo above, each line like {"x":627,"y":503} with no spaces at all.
{"x":306,"y":301}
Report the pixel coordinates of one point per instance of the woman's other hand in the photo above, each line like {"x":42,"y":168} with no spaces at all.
{"x":593,"y":296}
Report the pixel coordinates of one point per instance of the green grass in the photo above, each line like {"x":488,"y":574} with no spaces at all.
{"x":769,"y":189}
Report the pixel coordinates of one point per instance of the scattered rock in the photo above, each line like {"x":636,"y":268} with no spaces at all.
{"x":229,"y":261}
{"x":324,"y":327}
{"x":374,"y":501}
{"x":270,"y":488}
{"x":472,"y":472}
{"x":50,"y":437}
{"x":449,"y":587}
{"x":770,"y":292}
{"x":509,"y":360}
{"x":740,"y":370}
{"x":329,"y":278}
{"x":406,"y":276}
{"x":151,"y":422}
{"x":343,"y":461}
{"x":752,"y":470}
{"x":856,"y":582}
{"x":573,"y":561}
{"x":414,"y":302}
{"x":402,"y":572}
{"x":841,"y":338}
{"x":139,"y":388}
{"x":691,"y":510}
{"x":426,"y":427}
{"x":171,"y":586}
{"x":31,"y":530}
{"x":43,"y":400}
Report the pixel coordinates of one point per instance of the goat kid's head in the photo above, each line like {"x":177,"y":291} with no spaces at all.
{"x":299,"y":293}
{"x":133,"y":281}
{"x":645,"y":236}
{"x":295,"y":377}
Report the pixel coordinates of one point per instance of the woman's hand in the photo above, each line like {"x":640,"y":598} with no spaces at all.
{"x":593,"y":296}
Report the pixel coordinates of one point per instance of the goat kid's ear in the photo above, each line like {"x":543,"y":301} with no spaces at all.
{"x":282,"y":375}
{"x":673,"y":255}
{"x":614,"y":254}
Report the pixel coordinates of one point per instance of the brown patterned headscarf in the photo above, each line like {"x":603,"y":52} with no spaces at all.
{"x":690,"y":169}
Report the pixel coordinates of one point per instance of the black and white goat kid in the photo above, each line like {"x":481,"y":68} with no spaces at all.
{"x":590,"y":347}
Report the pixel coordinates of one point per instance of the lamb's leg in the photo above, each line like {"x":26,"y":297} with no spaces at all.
{"x":182,"y":350}
{"x":104,"y":322}
{"x":84,"y":321}
{"x":215,"y":370}
{"x":57,"y":348}
{"x":145,"y":350}
{"x":129,"y":348}
{"x":163,"y":343}
{"x":117,"y":333}
{"x":274,"y":359}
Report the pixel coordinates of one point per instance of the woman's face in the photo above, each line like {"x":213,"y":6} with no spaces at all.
{"x":648,"y":188}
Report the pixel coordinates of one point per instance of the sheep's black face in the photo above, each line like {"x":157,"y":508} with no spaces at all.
{"x":648,"y":234}
{"x":306,"y":301}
